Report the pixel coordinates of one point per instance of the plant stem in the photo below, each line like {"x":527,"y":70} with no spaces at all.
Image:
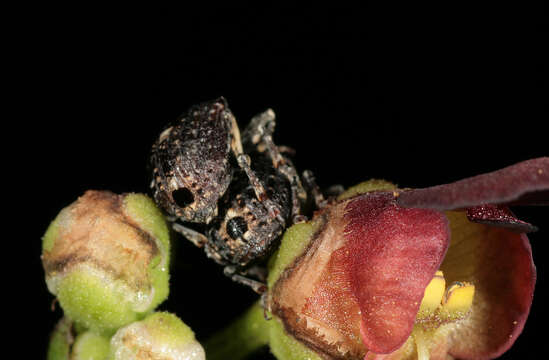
{"x":240,"y":339}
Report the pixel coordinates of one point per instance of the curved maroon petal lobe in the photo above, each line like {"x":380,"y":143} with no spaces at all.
{"x":499,"y":263}
{"x":393,"y":255}
{"x":498,"y":215}
{"x":525,"y":183}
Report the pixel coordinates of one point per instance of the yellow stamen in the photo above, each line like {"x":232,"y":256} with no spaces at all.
{"x":457,"y":301}
{"x":440,"y":306}
{"x":437,"y":308}
{"x":433,"y":295}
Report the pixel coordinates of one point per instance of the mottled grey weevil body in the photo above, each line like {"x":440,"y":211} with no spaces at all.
{"x":244,"y":193}
{"x":191,"y":161}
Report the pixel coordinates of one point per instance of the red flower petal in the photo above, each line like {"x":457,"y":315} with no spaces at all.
{"x":359,"y":284}
{"x":525,"y":183}
{"x":499,"y":263}
{"x":393,"y":255}
{"x":498,"y":215}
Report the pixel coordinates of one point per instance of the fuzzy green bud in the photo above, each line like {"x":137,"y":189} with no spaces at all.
{"x":61,"y":340}
{"x":106,"y":259}
{"x":160,"y":336}
{"x":65,"y":344}
{"x":90,"y":346}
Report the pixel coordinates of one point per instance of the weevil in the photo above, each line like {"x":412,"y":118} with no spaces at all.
{"x":243,"y":189}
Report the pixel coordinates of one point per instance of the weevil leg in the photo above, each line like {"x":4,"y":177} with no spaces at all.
{"x":259,"y":134}
{"x":236,"y":142}
{"x":265,"y":305}
{"x":334,"y":190}
{"x":262,"y":124}
{"x":285,"y":166}
{"x":258,"y":272}
{"x":259,"y":189}
{"x":245,"y":164}
{"x":171,"y":218}
{"x":286,"y":150}
{"x":194,"y":236}
{"x":299,"y":195}
{"x":299,"y":219}
{"x":257,"y":286}
{"x":312,"y":187}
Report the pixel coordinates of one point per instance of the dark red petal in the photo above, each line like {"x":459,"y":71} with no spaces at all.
{"x":525,"y":183}
{"x":394,"y":253}
{"x":498,"y":215}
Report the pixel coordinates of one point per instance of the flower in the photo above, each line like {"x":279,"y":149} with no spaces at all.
{"x":367,"y":276}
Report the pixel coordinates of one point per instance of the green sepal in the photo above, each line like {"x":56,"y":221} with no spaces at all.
{"x":294,"y":242}
{"x":366,"y":186}
{"x":143,"y":210}
{"x":94,"y":302}
{"x":52,"y":232}
{"x":285,"y":347}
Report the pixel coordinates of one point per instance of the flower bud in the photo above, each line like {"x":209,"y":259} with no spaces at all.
{"x":106,"y":259}
{"x":159,"y":336}
{"x":61,"y":340}
{"x":90,"y":346}
{"x":65,"y":344}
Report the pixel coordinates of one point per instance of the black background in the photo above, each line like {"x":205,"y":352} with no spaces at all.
{"x":418,"y":96}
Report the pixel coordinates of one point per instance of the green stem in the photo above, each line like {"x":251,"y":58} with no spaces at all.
{"x":241,"y":338}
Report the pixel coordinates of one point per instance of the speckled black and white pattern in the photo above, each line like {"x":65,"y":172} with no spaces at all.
{"x":192,"y":155}
{"x":242,"y":193}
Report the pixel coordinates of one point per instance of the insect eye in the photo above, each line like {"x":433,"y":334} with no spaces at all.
{"x":236,"y":227}
{"x":183,"y":197}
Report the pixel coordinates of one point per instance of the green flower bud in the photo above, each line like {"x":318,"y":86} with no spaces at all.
{"x":106,"y":259}
{"x":160,"y":336}
{"x":61,"y":341}
{"x":90,"y":346}
{"x":66,"y":345}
